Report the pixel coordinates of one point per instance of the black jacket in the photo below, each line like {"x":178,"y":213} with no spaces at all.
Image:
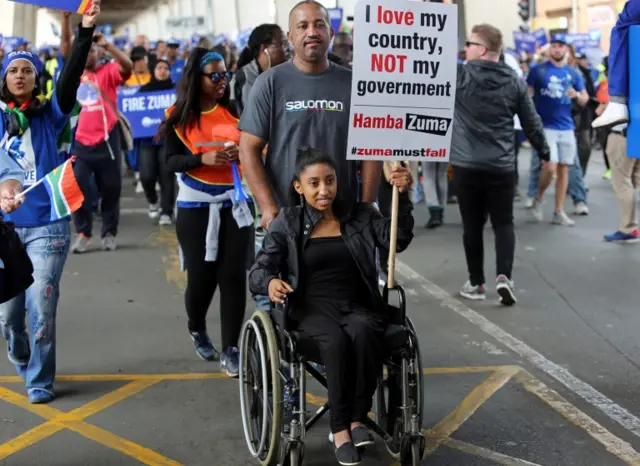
{"x":488,"y":95}
{"x":363,"y":228}
{"x":583,"y":115}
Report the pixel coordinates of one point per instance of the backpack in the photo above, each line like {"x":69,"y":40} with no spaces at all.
{"x":17,"y":274}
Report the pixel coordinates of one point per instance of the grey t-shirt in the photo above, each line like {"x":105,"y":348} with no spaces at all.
{"x":288,"y":109}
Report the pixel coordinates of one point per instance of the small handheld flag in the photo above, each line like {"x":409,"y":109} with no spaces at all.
{"x":62,"y":187}
{"x":74,"y":6}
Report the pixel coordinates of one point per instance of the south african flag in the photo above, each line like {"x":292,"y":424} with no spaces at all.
{"x":74,"y":6}
{"x":65,"y":194}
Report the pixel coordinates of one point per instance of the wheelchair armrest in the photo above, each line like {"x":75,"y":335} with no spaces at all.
{"x":397,"y":314}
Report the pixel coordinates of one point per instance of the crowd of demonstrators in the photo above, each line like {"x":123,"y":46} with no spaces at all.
{"x":244,"y":112}
{"x":30,"y":127}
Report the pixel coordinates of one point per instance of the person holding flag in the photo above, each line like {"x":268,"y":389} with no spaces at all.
{"x":33,"y":129}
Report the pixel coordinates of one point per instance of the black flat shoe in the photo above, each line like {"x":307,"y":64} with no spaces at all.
{"x":362,"y":437}
{"x":347,"y":454}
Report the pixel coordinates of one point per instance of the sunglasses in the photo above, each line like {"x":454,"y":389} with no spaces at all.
{"x":217,"y":77}
{"x":469,"y":44}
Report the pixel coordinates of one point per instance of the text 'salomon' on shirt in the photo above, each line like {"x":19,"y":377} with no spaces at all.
{"x":289,"y":109}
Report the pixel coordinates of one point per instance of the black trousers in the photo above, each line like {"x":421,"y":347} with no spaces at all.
{"x":228,"y":272}
{"x":349,"y":340}
{"x":153,"y":170}
{"x":483,"y":194}
{"x":107,"y":172}
{"x":583,"y":138}
{"x":517,"y":145}
{"x":385,"y":196}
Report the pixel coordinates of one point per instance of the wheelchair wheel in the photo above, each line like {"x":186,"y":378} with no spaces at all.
{"x":419,"y":375}
{"x":261,"y":388}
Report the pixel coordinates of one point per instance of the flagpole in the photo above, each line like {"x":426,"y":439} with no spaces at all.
{"x":22,"y":194}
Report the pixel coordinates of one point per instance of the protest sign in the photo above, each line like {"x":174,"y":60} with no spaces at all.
{"x":145,"y":110}
{"x":74,"y":6}
{"x":404,"y":80}
{"x":336,"y":15}
{"x":525,"y":41}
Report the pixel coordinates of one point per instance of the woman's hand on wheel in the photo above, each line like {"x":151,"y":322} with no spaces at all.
{"x":278,"y":290}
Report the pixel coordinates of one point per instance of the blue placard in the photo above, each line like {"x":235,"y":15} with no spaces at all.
{"x":633,"y":132}
{"x":525,"y":41}
{"x":541,"y":36}
{"x":145,"y":110}
{"x":336,"y":15}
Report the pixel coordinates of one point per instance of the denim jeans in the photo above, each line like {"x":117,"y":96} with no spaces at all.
{"x":262,"y":302}
{"x":577,"y":190}
{"x":34,"y":354}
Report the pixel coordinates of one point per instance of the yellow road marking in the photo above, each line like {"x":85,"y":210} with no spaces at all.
{"x":74,"y":420}
{"x":123,"y":377}
{"x":168,"y":241}
{"x":613,"y":444}
{"x":478,"y":396}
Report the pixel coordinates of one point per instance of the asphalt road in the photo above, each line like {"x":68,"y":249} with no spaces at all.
{"x":551,"y":381}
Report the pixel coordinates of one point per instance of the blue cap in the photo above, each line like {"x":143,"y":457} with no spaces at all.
{"x":22,"y":55}
{"x":559,"y":38}
{"x":173,"y":43}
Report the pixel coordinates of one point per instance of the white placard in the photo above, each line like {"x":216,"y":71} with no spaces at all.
{"x":404,"y":80}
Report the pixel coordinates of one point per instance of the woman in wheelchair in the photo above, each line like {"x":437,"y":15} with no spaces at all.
{"x":321,"y":258}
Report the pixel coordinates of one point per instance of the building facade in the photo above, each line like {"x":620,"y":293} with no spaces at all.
{"x":590,"y":14}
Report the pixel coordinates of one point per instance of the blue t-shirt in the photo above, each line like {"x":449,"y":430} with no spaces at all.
{"x":551,"y":83}
{"x":176,"y":70}
{"x":36,"y":152}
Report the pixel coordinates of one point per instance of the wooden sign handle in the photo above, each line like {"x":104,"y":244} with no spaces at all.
{"x":391,"y":281}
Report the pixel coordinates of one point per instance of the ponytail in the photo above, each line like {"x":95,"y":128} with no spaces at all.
{"x":261,"y":35}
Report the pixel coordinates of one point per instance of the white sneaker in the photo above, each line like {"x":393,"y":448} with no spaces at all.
{"x":154,"y":211}
{"x":614,"y":114}
{"x":528,"y":204}
{"x":474,"y":292}
{"x":581,"y":209}
{"x":536,"y":210}
{"x":139,"y":188}
{"x":561,"y":218}
{"x":504,"y":288}
{"x":165,"y":221}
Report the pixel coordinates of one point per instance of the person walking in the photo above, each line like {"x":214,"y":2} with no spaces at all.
{"x":489,"y":94}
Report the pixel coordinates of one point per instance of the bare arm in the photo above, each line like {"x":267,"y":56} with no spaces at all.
{"x":65,"y":39}
{"x":583,"y":97}
{"x":251,"y":148}
{"x":126,"y":65}
{"x":370,"y":173}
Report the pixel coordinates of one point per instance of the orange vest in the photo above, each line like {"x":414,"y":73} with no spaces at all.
{"x":216,"y":127}
{"x":603,"y":92}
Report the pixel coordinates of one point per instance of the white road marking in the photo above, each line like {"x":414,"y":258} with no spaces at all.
{"x":562,"y":375}
{"x":486,"y":453}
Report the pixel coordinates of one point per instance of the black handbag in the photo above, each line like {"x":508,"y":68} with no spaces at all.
{"x":17,"y":274}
